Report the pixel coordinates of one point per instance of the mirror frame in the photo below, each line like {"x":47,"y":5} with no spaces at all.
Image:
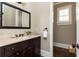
{"x":12,"y":27}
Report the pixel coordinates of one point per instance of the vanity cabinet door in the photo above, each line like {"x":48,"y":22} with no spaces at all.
{"x":36,"y":46}
{"x":27,"y":52}
{"x":12,"y":50}
{"x":1,"y":51}
{"x":26,"y":48}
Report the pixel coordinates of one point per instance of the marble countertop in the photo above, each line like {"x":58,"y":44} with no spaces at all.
{"x":6,"y":40}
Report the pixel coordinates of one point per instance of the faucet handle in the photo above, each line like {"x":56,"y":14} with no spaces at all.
{"x":13,"y":36}
{"x":20,"y":35}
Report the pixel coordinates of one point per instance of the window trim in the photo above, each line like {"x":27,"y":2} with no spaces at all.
{"x":70,"y":15}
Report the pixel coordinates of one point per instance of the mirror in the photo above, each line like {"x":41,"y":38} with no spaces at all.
{"x":14,"y":17}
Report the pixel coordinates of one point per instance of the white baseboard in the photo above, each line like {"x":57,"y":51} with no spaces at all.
{"x":45,"y":53}
{"x":61,"y":45}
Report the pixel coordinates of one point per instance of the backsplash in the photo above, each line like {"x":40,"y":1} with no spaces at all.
{"x":12,"y":31}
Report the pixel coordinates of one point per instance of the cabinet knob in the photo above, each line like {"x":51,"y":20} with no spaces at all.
{"x":12,"y":48}
{"x":17,"y":53}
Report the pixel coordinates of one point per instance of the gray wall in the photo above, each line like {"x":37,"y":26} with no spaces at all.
{"x":65,"y":34}
{"x":41,"y":17}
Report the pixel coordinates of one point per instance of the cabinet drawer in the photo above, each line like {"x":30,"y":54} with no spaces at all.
{"x":27,"y":52}
{"x":25,"y":44}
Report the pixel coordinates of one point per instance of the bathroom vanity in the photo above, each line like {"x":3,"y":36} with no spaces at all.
{"x":13,"y":17}
{"x":20,"y":47}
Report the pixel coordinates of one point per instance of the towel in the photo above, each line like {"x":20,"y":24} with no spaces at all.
{"x":45,"y":34}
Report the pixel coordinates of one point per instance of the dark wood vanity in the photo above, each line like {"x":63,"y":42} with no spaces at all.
{"x":26,"y":48}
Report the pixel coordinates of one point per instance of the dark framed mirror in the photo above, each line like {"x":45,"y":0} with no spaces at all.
{"x":14,"y":17}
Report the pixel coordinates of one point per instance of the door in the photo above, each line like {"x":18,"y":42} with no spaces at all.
{"x":64,"y":25}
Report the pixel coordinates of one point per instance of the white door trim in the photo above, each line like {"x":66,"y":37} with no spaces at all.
{"x":45,"y":53}
{"x":51,"y":29}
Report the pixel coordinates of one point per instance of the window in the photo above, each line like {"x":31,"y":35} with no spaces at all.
{"x":64,"y":15}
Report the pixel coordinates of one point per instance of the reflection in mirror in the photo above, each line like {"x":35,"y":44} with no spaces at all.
{"x":8,"y":16}
{"x":24,"y":17}
{"x":13,"y":17}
